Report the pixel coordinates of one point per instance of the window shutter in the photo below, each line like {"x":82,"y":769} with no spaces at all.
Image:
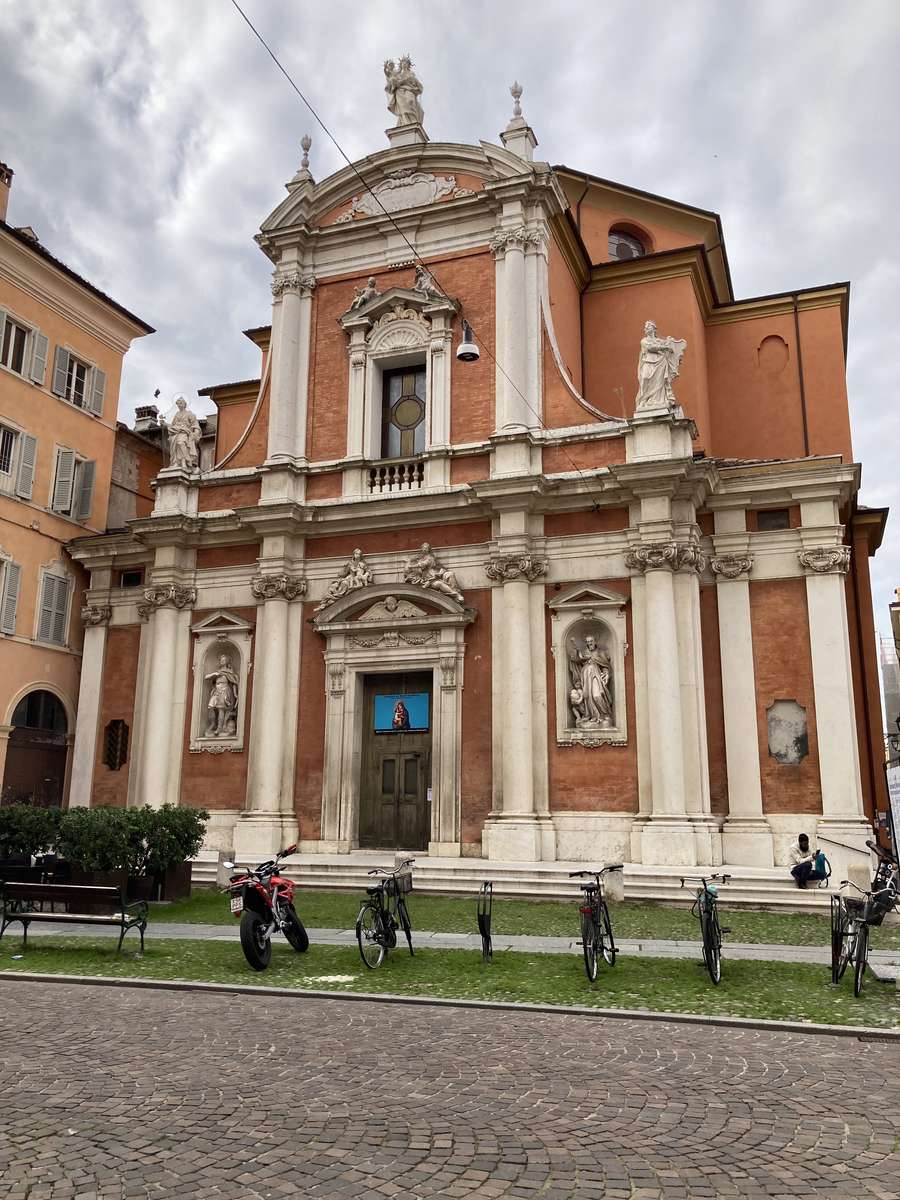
{"x":98,"y":391}
{"x":58,"y":633}
{"x":9,"y":597}
{"x":54,"y":600}
{"x":64,"y":481}
{"x":27,"y":459}
{"x":2,"y":326}
{"x":45,"y":619}
{"x":85,"y":490}
{"x":39,"y":357}
{"x":60,"y":370}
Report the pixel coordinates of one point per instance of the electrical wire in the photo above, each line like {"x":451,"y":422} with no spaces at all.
{"x":416,"y":256}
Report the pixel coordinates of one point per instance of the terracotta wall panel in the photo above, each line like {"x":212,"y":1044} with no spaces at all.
{"x":476,"y":719}
{"x":391,"y":541}
{"x":228,"y":495}
{"x":712,"y":687}
{"x":227,"y":556}
{"x":310,"y":732}
{"x":607,"y":520}
{"x":116,"y":704}
{"x":583,"y":456}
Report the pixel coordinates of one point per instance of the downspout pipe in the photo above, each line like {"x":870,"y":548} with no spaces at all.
{"x":587,"y":186}
{"x":803,"y":413}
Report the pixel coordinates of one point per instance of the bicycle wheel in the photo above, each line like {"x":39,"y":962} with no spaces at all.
{"x":838,"y":935}
{"x":711,"y":943}
{"x":405,"y":924}
{"x":862,"y":952}
{"x":589,"y":940}
{"x":607,"y":943}
{"x":848,"y":945}
{"x":370,"y":936}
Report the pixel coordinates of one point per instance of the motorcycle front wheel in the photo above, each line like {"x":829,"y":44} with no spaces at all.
{"x":257,"y":946}
{"x":294,"y":930}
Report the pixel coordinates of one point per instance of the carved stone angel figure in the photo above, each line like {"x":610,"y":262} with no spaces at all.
{"x":184,"y":437}
{"x":221,"y":707}
{"x":658,"y":365}
{"x":403,"y":92}
{"x":590,"y":695}
{"x":423,"y":570}
{"x":356,"y":574}
{"x":364,"y":294}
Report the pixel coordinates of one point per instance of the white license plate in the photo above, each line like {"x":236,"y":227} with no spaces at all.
{"x":237,"y":904}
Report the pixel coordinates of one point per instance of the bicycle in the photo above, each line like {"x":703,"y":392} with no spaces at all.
{"x":706,"y":909}
{"x":596,"y":928}
{"x":852,"y":918}
{"x":383,"y":913}
{"x":485,"y":904}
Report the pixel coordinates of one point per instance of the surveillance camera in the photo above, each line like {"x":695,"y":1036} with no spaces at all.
{"x":467,"y":351}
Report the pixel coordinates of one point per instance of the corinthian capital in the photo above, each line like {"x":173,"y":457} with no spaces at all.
{"x":731,"y":566}
{"x":653,"y":556}
{"x":96,"y":614}
{"x":515,"y":566}
{"x":273,"y":587}
{"x":825,"y":560}
{"x":163,"y":595}
{"x":520,"y":238}
{"x":293,"y":281}
{"x":690,"y":558}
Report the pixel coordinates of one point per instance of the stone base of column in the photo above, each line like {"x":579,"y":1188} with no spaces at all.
{"x":844,"y":844}
{"x":669,"y":842}
{"x":519,"y":839}
{"x":747,"y":842}
{"x":707,"y":839}
{"x":260,"y":835}
{"x":445,"y":849}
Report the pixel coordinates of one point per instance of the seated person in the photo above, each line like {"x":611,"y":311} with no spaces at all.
{"x":806,"y":862}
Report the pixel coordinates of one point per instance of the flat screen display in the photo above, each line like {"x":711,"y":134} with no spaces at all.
{"x":402,"y":714}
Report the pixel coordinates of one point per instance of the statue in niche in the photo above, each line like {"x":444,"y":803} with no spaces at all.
{"x":221,"y":707}
{"x":658,"y":365}
{"x":184,"y":438}
{"x":403,"y":91}
{"x":356,"y":574}
{"x":423,"y":570}
{"x":590,"y":677}
{"x":362,"y":295}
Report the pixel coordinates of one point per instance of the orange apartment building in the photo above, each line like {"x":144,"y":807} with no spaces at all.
{"x":62,"y":342}
{"x":528,"y":607}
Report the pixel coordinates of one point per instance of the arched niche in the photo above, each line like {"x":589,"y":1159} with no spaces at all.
{"x":588,"y":642}
{"x":221,"y":667}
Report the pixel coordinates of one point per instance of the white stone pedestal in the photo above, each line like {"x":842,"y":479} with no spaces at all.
{"x":260,"y":835}
{"x":850,"y":853}
{"x":412,"y":134}
{"x":519,"y":839}
{"x":747,"y":842}
{"x":668,"y":842}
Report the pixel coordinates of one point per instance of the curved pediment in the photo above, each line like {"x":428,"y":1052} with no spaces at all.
{"x":389,"y":606}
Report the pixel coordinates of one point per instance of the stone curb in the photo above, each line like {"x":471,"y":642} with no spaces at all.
{"x":865,"y":1032}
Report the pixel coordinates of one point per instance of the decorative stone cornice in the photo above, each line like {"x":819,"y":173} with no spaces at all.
{"x":825,"y":560}
{"x":515,"y":566}
{"x":731,"y":566}
{"x":653,"y":556}
{"x":515,"y":239}
{"x":96,"y":614}
{"x":690,"y":558}
{"x":165,"y":594}
{"x":293,"y":281}
{"x":273,"y":587}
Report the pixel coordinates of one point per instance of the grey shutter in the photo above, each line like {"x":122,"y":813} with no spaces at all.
{"x":39,"y":357}
{"x":85,"y":490}
{"x":64,"y":481}
{"x":60,"y":371}
{"x":98,"y":391}
{"x":58,"y":633}
{"x":54,"y":600}
{"x":45,"y":618}
{"x":9,"y":597}
{"x":2,"y":326}
{"x":27,"y":459}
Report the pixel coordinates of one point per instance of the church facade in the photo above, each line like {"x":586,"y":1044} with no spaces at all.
{"x":600,"y":592}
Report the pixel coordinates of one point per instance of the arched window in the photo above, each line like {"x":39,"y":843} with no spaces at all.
{"x":40,"y":710}
{"x":623,"y":245}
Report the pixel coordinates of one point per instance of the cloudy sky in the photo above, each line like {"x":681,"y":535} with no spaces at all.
{"x":151,"y":137}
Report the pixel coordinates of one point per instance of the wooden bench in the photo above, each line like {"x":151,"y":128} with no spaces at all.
{"x":26,"y":902}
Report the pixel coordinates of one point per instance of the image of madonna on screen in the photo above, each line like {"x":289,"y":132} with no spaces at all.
{"x":401,"y":716}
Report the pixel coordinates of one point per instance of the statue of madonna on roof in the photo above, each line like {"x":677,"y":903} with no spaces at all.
{"x":403,"y":92}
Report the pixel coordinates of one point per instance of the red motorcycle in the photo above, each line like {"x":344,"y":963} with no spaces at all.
{"x":264,"y":901}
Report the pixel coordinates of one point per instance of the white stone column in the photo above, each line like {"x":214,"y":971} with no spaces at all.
{"x":269,"y":823}
{"x":291,"y":318}
{"x":513,"y":414}
{"x":746,"y":836}
{"x":90,"y":691}
{"x":162,"y":605}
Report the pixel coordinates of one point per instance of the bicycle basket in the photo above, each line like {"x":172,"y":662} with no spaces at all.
{"x":404,"y":883}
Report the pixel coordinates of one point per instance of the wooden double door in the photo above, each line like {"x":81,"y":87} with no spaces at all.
{"x":395,"y":785}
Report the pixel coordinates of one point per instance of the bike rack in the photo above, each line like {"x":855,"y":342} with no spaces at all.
{"x":485,"y":901}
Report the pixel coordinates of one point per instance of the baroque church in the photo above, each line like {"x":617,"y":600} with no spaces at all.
{"x":530,"y":541}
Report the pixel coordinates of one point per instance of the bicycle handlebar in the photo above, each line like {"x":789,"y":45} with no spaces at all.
{"x":407,"y":862}
{"x":597,"y":874}
{"x":703,"y":878}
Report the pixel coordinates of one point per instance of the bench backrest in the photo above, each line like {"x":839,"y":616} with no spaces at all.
{"x":74,"y":894}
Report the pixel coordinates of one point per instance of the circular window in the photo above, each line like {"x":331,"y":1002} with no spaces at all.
{"x":624,"y":245}
{"x":408,"y":412}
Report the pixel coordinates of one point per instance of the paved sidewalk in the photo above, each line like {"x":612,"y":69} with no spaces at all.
{"x":888,"y":960}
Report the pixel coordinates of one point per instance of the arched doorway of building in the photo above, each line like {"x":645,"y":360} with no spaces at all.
{"x":38,"y":749}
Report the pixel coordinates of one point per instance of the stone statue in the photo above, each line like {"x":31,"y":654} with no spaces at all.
{"x":590,"y":674}
{"x":423,"y":570}
{"x":221,"y":708}
{"x":425,"y":282}
{"x":403,"y":92}
{"x":356,"y":574}
{"x":184,"y":438}
{"x":658,"y":366}
{"x":364,"y":294}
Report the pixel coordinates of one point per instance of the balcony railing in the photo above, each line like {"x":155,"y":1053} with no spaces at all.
{"x":397,"y":476}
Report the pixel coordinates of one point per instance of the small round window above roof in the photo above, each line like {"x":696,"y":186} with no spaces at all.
{"x":624,"y":245}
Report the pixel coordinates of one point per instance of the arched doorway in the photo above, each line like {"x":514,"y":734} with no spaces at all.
{"x":38,"y":747}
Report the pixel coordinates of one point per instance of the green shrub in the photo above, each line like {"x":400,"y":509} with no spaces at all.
{"x":143,"y":841}
{"x":25,"y":829}
{"x":95,"y":839}
{"x":173,"y":835}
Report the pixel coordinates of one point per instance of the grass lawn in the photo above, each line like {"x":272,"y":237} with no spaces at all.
{"x":748,"y":989}
{"x":554,"y":918}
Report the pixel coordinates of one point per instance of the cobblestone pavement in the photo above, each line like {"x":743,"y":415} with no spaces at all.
{"x":120,"y":1092}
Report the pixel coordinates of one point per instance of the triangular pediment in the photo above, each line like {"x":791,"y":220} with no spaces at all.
{"x":399,"y":304}
{"x":588,"y":596}
{"x":221,"y":622}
